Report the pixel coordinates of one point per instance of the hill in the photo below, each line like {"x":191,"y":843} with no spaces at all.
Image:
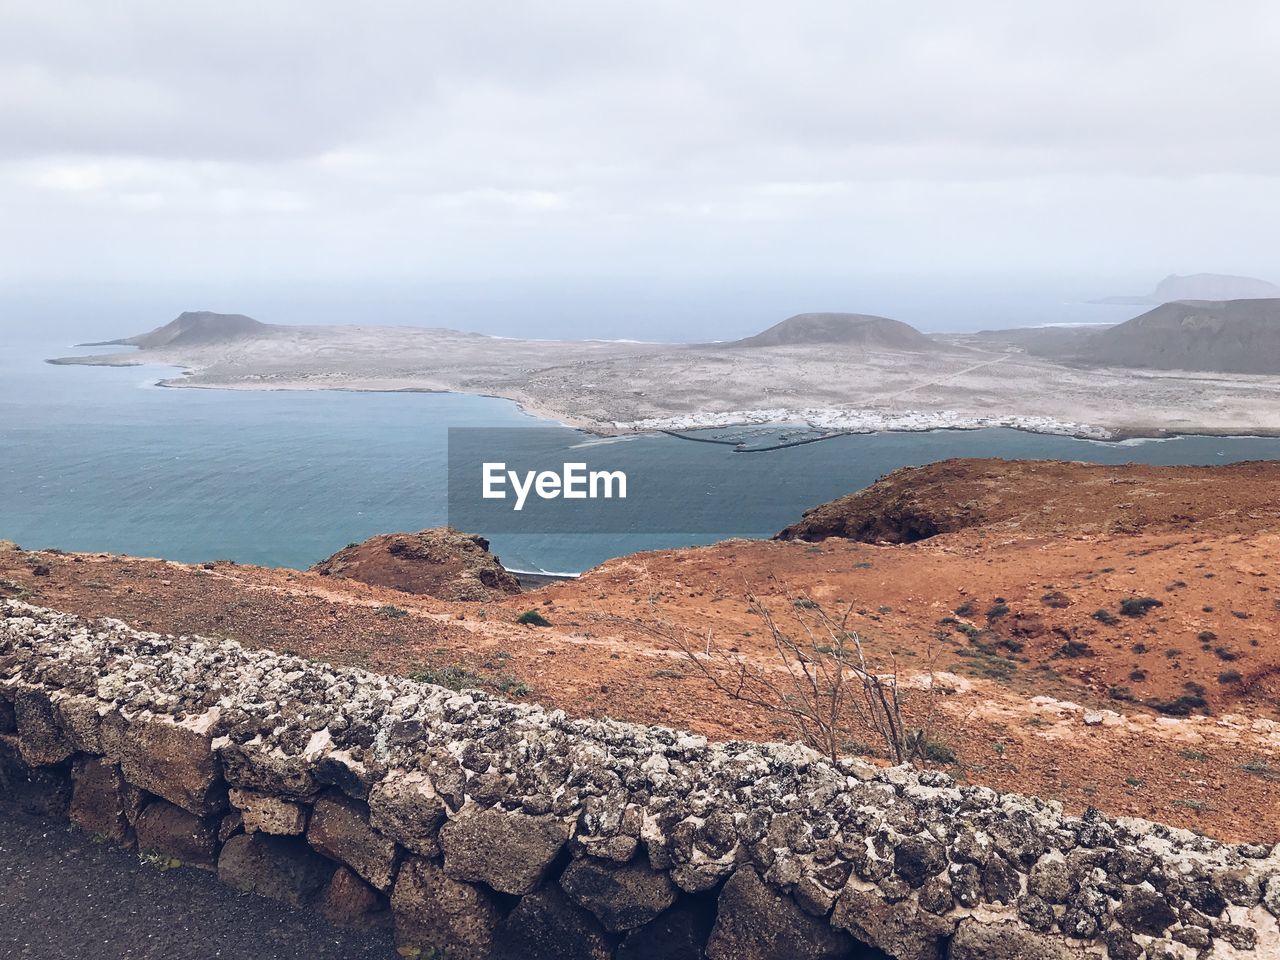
{"x":194,"y":328}
{"x":1033,"y":497}
{"x":854,"y":329}
{"x":1213,"y":286}
{"x":439,"y":563}
{"x":1203,"y":286}
{"x":1102,"y":635}
{"x":1231,"y":336}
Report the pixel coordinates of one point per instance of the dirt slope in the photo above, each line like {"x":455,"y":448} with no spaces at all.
{"x":1134,"y":667}
{"x":1049,"y":496}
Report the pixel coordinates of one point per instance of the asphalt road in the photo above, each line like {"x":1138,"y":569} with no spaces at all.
{"x":64,"y":897}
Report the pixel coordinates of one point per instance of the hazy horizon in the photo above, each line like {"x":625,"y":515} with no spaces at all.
{"x":598,"y":169}
{"x":603,"y":308}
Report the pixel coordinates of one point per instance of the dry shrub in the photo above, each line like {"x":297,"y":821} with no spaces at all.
{"x":825,"y":684}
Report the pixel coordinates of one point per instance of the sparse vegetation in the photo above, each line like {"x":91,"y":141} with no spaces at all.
{"x":1105,"y":617}
{"x":1056,"y":600}
{"x":390,"y":612}
{"x":1139,"y":606}
{"x":935,"y":751}
{"x":828,"y":687}
{"x":511,"y":686}
{"x":11,"y":588}
{"x":1260,"y":768}
{"x":533,"y":618}
{"x":452,"y":677}
{"x":158,"y":861}
{"x":988,"y":666}
{"x":667,"y":674}
{"x":1184,"y":705}
{"x":1073,"y":649}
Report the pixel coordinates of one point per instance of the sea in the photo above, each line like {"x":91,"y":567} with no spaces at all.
{"x":103,"y":459}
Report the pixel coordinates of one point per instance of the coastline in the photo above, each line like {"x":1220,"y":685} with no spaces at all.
{"x":834,"y":421}
{"x":815,"y":418}
{"x":896,"y":423}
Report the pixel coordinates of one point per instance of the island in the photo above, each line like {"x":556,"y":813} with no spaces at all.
{"x":837,"y":372}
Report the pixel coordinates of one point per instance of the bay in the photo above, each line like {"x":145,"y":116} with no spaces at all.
{"x":100,"y":459}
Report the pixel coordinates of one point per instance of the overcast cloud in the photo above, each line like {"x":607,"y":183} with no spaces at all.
{"x":401,"y":141}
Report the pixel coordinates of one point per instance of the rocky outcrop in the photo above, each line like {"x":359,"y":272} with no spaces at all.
{"x":497,"y":830}
{"x":438,"y":562}
{"x":1230,"y":336}
{"x":1047,"y":496}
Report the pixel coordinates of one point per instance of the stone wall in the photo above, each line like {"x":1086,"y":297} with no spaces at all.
{"x":485,"y":829}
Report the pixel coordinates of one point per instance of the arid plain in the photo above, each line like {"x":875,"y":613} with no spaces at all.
{"x":854,"y":383}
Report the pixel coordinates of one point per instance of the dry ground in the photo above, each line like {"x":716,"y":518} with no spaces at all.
{"x":1217,"y":773}
{"x":595,"y":384}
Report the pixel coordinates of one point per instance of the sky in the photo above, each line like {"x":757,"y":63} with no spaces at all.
{"x":710,"y":156}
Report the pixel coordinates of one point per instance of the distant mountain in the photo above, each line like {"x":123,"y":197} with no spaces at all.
{"x":194,"y":328}
{"x":1203,"y":286}
{"x":841,"y":328}
{"x":1231,"y":336}
{"x":1214,"y":286}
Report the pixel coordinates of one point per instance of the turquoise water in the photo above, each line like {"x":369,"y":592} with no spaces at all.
{"x":97,"y":458}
